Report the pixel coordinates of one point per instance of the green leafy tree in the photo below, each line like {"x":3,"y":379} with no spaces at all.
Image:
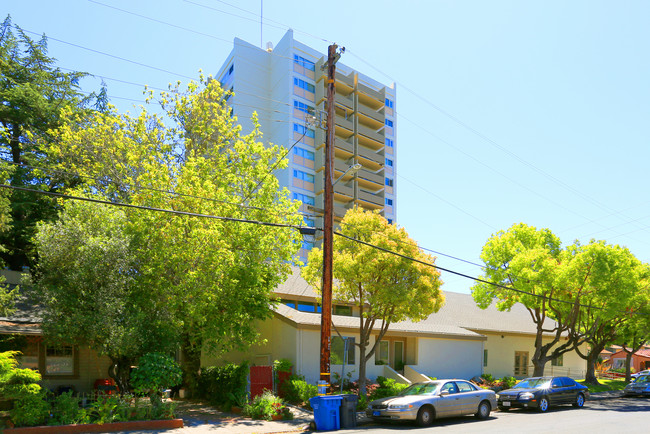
{"x":385,"y":287}
{"x":33,"y":91}
{"x":566,"y":291}
{"x":155,"y":373}
{"x":87,"y":277}
{"x":215,"y":275}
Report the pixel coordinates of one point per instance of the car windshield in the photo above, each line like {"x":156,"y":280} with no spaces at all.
{"x":420,"y":389}
{"x":533,"y":383}
{"x":643,"y":379}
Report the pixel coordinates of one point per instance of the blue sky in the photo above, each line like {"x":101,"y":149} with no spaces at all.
{"x":508,"y":111}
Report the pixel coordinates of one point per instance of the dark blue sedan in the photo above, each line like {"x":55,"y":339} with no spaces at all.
{"x":542,"y":392}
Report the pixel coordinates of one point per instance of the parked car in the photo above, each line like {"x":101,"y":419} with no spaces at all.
{"x":542,"y":392}
{"x":639,"y":387}
{"x":429,"y":400}
{"x":638,"y":374}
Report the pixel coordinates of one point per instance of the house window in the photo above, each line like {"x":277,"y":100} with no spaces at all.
{"x":485,"y":359}
{"x":302,"y":130}
{"x":382,"y":355}
{"x":307,"y":307}
{"x":300,"y":152}
{"x":389,"y":123}
{"x":289,"y":303}
{"x":308,"y":222}
{"x":301,"y":61}
{"x":390,"y":143}
{"x":343,"y":310}
{"x":28,"y":359}
{"x":307,"y":200}
{"x":521,"y":363}
{"x":302,"y":84}
{"x":389,"y":104}
{"x":389,"y":182}
{"x":558,"y":361}
{"x":389,"y":202}
{"x":59,"y":360}
{"x":307,"y":245}
{"x":389,"y":162}
{"x":303,"y":176}
{"x":342,"y":350}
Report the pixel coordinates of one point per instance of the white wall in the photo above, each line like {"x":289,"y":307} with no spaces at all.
{"x":501,"y":356}
{"x":448,"y":358}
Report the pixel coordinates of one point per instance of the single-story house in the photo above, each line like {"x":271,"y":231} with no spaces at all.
{"x":60,"y":365}
{"x":459,"y":341}
{"x":640,"y":360}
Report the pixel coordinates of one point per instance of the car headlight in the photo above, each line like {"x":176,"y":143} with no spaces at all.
{"x":526,"y":395}
{"x":497,"y":395}
{"x":400,"y":406}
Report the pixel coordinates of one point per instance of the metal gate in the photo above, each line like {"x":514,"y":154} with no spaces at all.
{"x":261,"y":379}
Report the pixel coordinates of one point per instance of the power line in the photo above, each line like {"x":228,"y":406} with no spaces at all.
{"x":301,"y":228}
{"x":149,"y":208}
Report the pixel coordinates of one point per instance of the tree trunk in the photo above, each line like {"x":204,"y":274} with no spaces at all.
{"x":592,"y":358}
{"x":191,"y":365}
{"x":362,"y":369}
{"x":120,"y":372}
{"x":538,"y":367}
{"x":628,"y":363}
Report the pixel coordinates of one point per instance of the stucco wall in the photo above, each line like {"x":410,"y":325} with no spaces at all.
{"x":447,"y":358}
{"x":501,"y":356}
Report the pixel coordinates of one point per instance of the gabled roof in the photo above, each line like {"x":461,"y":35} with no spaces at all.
{"x":348,"y":323}
{"x":459,"y":312}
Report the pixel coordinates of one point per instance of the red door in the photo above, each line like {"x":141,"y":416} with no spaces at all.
{"x":261,"y":379}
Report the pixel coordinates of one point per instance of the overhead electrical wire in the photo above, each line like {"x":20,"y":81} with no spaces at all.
{"x":303,"y":228}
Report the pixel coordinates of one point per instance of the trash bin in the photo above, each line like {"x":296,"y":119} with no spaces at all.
{"x":326,"y":412}
{"x":349,"y":411}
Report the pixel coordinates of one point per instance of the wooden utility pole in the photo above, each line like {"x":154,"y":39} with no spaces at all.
{"x":328,"y":220}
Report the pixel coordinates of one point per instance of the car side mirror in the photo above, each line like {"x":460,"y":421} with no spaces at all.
{"x":444,"y":393}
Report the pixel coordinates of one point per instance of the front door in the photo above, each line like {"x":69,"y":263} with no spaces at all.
{"x":521,"y":363}
{"x":398,"y":356}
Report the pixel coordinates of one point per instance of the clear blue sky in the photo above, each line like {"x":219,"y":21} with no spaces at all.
{"x":530,"y":111}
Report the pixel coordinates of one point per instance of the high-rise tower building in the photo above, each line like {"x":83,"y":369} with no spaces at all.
{"x":286,"y":86}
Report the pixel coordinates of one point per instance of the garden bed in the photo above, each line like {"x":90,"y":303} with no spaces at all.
{"x":106,"y":427}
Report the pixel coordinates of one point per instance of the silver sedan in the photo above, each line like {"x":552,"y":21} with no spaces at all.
{"x":426,"y":401}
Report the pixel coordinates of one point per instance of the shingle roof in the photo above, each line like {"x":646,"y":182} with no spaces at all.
{"x":459,"y":312}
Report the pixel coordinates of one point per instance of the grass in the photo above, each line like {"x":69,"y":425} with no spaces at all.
{"x":605,"y":385}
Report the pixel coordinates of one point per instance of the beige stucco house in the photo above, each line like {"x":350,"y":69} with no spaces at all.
{"x":459,"y":341}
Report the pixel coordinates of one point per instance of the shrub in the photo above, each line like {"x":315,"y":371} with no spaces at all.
{"x":224,"y":385}
{"x":489,"y":378}
{"x":155,"y":373}
{"x":387,"y":387}
{"x":65,"y":409}
{"x":298,"y":391}
{"x":509,"y":382}
{"x":30,"y":407}
{"x":264,"y":406}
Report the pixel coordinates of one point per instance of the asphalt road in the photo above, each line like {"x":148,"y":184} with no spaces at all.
{"x":606,"y":416}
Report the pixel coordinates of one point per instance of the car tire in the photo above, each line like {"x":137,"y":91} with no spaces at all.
{"x":425,"y":416}
{"x":504,"y":409}
{"x":483,"y":411}
{"x":580,"y":401}
{"x":543,"y":404}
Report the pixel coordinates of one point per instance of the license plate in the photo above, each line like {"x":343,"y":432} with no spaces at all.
{"x":375,"y":413}
{"x":505,"y":404}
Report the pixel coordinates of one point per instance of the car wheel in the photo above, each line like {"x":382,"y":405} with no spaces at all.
{"x":543,"y":404}
{"x":425,"y":416}
{"x":504,"y":409}
{"x":580,"y":401}
{"x":483,"y":410}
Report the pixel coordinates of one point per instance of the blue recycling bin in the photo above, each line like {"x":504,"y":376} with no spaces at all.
{"x":326,"y":412}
